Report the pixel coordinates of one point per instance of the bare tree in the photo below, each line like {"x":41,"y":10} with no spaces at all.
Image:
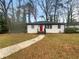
{"x":50,"y":8}
{"x":46,"y":6}
{"x":4,"y":7}
{"x":57,"y":5}
{"x":34,"y":9}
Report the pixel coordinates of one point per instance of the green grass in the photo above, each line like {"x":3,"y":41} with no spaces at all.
{"x":10,"y":39}
{"x":53,"y":46}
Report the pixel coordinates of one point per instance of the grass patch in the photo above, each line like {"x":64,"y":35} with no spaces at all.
{"x":10,"y":39}
{"x":53,"y":46}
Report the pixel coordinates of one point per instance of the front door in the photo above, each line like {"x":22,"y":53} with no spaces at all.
{"x":41,"y":28}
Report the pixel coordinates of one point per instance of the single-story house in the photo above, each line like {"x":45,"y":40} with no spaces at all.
{"x":45,"y":27}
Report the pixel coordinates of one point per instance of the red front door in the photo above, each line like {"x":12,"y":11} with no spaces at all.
{"x":41,"y":28}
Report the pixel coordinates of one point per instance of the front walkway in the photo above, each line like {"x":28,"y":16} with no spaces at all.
{"x":4,"y":52}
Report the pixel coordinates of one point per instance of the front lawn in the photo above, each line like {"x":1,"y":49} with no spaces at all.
{"x":53,"y":46}
{"x":10,"y":39}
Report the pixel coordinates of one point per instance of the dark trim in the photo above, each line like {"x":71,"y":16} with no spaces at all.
{"x":45,"y":24}
{"x":51,"y":23}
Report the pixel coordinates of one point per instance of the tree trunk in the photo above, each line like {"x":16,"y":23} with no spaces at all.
{"x":46,"y":16}
{"x":55,"y":15}
{"x":24,"y":21}
{"x":6,"y":21}
{"x":29,"y":16}
{"x":55,"y":11}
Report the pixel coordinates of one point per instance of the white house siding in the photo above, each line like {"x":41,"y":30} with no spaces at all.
{"x":55,"y":29}
{"x":37,"y":28}
{"x":77,"y":26}
{"x":32,"y":30}
{"x":62,"y":28}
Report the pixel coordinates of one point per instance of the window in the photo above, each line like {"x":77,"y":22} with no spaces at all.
{"x":49,"y":26}
{"x":32,"y":26}
{"x":59,"y":26}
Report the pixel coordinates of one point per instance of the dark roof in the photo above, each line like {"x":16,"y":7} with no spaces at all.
{"x":45,"y":23}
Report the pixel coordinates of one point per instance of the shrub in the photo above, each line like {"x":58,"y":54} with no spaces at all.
{"x":71,"y":30}
{"x":3,"y":28}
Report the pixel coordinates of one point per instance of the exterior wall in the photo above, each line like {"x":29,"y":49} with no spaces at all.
{"x":77,"y":26}
{"x":62,"y":28}
{"x":55,"y":29}
{"x":32,"y":30}
{"x":37,"y":28}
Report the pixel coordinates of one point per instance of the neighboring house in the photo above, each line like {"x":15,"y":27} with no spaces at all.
{"x":45,"y":27}
{"x":73,"y":25}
